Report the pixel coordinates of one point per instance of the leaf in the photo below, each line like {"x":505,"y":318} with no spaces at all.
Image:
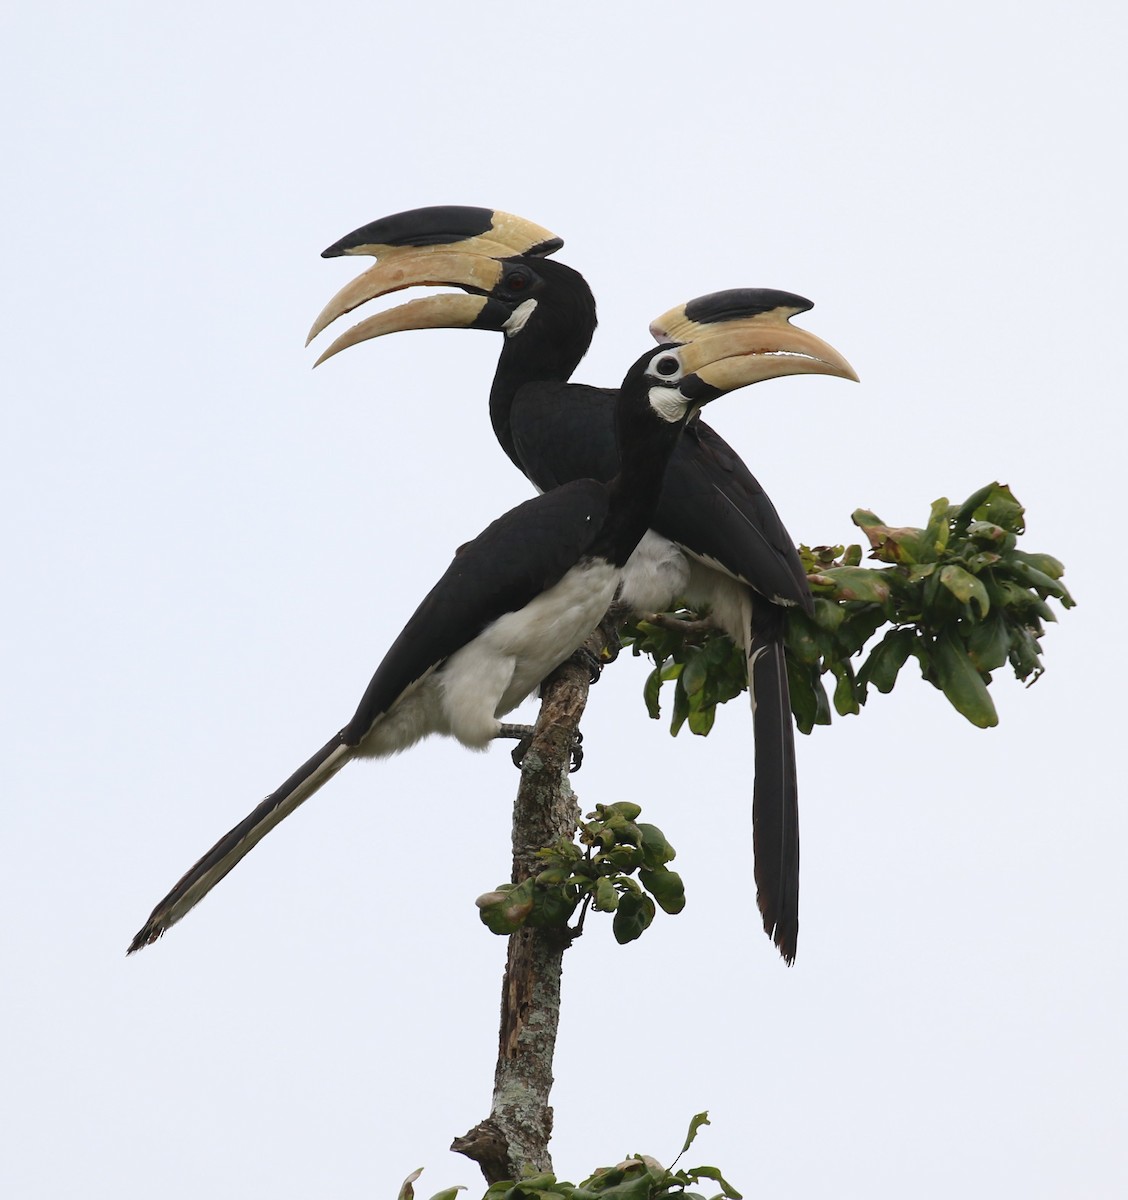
{"x":696,"y":1173}
{"x":701,"y":720}
{"x":965,"y":587}
{"x":666,"y":887}
{"x":988,"y":644}
{"x":1003,"y":509}
{"x":937,"y":532}
{"x":537,"y":1183}
{"x":719,"y":649}
{"x":496,"y":1190}
{"x":702,"y":1118}
{"x":886,"y":660}
{"x":656,"y":849}
{"x":845,"y":701}
{"x":902,"y":544}
{"x":681,"y":709}
{"x":857,"y":629}
{"x":802,"y":680}
{"x":449,"y":1193}
{"x":961,"y":682}
{"x":966,"y":511}
{"x":552,"y":908}
{"x":604,"y":896}
{"x":920,"y":571}
{"x":985,"y":558}
{"x":623,"y":858}
{"x":829,"y":614}
{"x":695,"y":671}
{"x":406,"y":1191}
{"x":1042,"y":583}
{"x":802,"y":637}
{"x":650,"y":691}
{"x":635,"y":1187}
{"x":1005,"y":593}
{"x":1024,"y":653}
{"x":504,"y":911}
{"x":632,"y":918}
{"x":994,"y":535}
{"x":1046,"y":563}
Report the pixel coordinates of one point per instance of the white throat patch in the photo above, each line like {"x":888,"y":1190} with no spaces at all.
{"x":521,"y":314}
{"x":668,"y":403}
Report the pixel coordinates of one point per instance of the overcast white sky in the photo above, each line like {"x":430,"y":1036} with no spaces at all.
{"x":209,"y":547}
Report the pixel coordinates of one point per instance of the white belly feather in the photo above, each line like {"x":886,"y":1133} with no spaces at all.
{"x":655,"y":576}
{"x":509,"y":658}
{"x":660,"y":573}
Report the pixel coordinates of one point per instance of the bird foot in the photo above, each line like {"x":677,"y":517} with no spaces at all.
{"x":524,"y":736}
{"x":593,"y":663}
{"x":613,"y":646}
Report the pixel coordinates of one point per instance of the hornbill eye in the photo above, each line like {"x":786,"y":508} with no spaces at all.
{"x":517,"y":281}
{"x":665,"y":366}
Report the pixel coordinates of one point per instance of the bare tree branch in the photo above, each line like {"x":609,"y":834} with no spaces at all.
{"x":514,"y":1138}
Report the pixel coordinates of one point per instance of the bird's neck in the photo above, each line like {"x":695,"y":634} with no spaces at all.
{"x":634,"y":492}
{"x":545,"y":353}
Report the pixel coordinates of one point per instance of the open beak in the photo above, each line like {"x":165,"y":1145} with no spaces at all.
{"x":428,"y":312}
{"x":732,"y":339}
{"x":439,"y":246}
{"x":419,"y":268}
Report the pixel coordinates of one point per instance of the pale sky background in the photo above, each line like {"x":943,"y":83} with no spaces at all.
{"x":211,"y":546}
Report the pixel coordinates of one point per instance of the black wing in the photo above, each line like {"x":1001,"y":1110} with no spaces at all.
{"x":715,"y":507}
{"x":711,"y":503}
{"x":507,"y":565}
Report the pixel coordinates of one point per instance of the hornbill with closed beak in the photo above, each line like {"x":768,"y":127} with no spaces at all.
{"x":715,"y":539}
{"x":524,"y":595}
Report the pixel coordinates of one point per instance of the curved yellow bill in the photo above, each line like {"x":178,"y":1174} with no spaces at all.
{"x":752,"y":349}
{"x":428,"y":312}
{"x":419,"y":268}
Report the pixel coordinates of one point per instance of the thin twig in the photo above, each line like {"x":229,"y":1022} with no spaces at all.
{"x":686,"y":627}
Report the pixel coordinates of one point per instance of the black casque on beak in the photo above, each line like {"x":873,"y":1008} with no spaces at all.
{"x":486,"y":231}
{"x":693,"y":319}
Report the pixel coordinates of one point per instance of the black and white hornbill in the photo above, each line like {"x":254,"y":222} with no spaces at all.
{"x":523,"y":595}
{"x":715,"y":539}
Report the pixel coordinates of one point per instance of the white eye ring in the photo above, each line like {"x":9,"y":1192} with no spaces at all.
{"x":666,"y":366}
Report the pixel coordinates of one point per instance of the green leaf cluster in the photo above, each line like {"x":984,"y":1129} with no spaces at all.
{"x":639,"y":1177}
{"x":617,"y":865}
{"x":706,"y":668}
{"x":959,"y":595}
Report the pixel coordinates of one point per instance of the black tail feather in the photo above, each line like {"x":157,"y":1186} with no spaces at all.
{"x":239,"y":841}
{"x":775,"y":803}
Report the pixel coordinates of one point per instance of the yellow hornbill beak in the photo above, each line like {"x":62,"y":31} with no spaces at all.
{"x":735,"y":338}
{"x":423,"y":268}
{"x":431,"y":247}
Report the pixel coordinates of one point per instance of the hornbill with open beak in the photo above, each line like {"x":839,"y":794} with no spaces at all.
{"x":715,"y":539}
{"x":525,"y":594}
